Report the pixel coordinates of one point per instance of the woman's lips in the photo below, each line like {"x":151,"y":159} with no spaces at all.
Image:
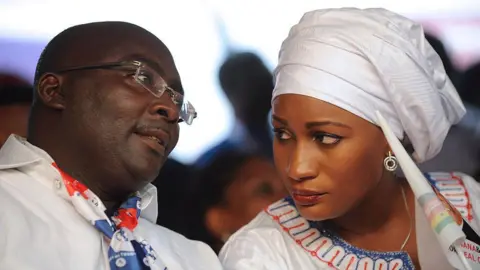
{"x":307,"y":197}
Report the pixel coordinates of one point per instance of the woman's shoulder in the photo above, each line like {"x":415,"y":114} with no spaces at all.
{"x":258,"y":245}
{"x":262,"y":228}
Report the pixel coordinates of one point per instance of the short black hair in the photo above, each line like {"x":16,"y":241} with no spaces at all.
{"x":96,"y":38}
{"x":53,"y":53}
{"x":244,"y":71}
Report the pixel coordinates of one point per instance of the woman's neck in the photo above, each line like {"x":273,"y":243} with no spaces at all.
{"x":383,"y":206}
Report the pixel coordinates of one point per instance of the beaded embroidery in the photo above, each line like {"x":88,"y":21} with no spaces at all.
{"x":336,"y":253}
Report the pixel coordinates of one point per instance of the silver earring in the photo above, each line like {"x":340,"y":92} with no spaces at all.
{"x":390,"y":162}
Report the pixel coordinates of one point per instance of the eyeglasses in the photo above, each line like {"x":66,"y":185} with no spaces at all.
{"x":149,"y":79}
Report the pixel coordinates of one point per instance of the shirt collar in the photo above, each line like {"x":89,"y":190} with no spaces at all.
{"x":17,"y":152}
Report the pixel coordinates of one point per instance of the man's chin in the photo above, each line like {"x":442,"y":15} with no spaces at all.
{"x":143,"y":173}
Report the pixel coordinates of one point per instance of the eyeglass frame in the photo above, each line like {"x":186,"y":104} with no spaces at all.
{"x":139,"y":64}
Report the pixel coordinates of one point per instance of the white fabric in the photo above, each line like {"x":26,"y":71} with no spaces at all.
{"x":450,"y":234}
{"x":368,"y":60}
{"x":264,"y":245}
{"x":40,"y":229}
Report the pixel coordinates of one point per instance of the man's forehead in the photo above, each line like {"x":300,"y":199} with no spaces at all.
{"x":153,"y":62}
{"x":117,"y":41}
{"x":162,"y":63}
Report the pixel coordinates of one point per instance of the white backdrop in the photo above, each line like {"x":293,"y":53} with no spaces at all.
{"x":190,"y":30}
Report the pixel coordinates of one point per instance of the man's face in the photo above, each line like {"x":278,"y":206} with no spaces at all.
{"x":121,"y":125}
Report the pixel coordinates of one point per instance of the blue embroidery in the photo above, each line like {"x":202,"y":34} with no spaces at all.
{"x":349,"y":249}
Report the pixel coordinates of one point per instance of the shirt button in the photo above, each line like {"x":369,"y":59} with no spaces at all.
{"x":58,"y":184}
{"x":95,"y":201}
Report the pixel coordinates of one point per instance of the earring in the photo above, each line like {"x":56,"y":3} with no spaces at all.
{"x":390,"y":162}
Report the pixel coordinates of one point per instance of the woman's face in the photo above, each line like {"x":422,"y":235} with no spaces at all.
{"x":328,"y":158}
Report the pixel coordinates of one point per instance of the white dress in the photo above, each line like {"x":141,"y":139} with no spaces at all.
{"x":280,"y":239}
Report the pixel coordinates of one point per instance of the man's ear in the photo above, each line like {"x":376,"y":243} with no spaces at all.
{"x":49,"y":91}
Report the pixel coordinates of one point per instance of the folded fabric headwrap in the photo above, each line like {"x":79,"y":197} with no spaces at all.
{"x":364,"y":60}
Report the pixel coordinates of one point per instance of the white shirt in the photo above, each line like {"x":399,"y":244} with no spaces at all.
{"x":280,"y":239}
{"x":40,"y":229}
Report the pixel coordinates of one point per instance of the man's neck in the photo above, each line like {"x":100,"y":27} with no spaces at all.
{"x":71,"y":163}
{"x":381,"y":207}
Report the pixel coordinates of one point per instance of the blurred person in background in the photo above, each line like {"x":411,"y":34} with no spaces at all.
{"x":248,"y":84}
{"x":344,"y":76}
{"x":77,"y":192}
{"x":16,"y":97}
{"x":229,"y":192}
{"x":469,"y":86}
{"x":470,"y":93}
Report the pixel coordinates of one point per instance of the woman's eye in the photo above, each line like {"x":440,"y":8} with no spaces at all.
{"x":281,"y":134}
{"x":325,"y":138}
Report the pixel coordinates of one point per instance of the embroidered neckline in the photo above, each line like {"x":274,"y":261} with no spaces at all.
{"x":329,"y":248}
{"x":336,"y":253}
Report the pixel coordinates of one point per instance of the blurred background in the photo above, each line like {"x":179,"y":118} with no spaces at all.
{"x":225,"y":52}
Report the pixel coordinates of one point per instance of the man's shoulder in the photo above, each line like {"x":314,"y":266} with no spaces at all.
{"x":165,"y":233}
{"x":11,"y":181}
{"x":190,"y":251}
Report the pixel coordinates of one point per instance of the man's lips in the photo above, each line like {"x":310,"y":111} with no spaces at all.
{"x":156,"y":139}
{"x":160,"y":136}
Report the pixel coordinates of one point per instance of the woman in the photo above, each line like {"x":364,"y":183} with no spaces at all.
{"x":231,"y":190}
{"x":347,"y":208}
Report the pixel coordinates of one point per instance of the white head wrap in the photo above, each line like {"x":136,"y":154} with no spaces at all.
{"x":372,"y":60}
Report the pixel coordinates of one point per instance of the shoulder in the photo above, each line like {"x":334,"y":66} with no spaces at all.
{"x":17,"y":188}
{"x":192,"y":254}
{"x":264,"y":226}
{"x":258,"y":245}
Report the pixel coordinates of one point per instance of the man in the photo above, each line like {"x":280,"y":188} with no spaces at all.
{"x":248,"y":84}
{"x":76,"y":194}
{"x":15,"y":99}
